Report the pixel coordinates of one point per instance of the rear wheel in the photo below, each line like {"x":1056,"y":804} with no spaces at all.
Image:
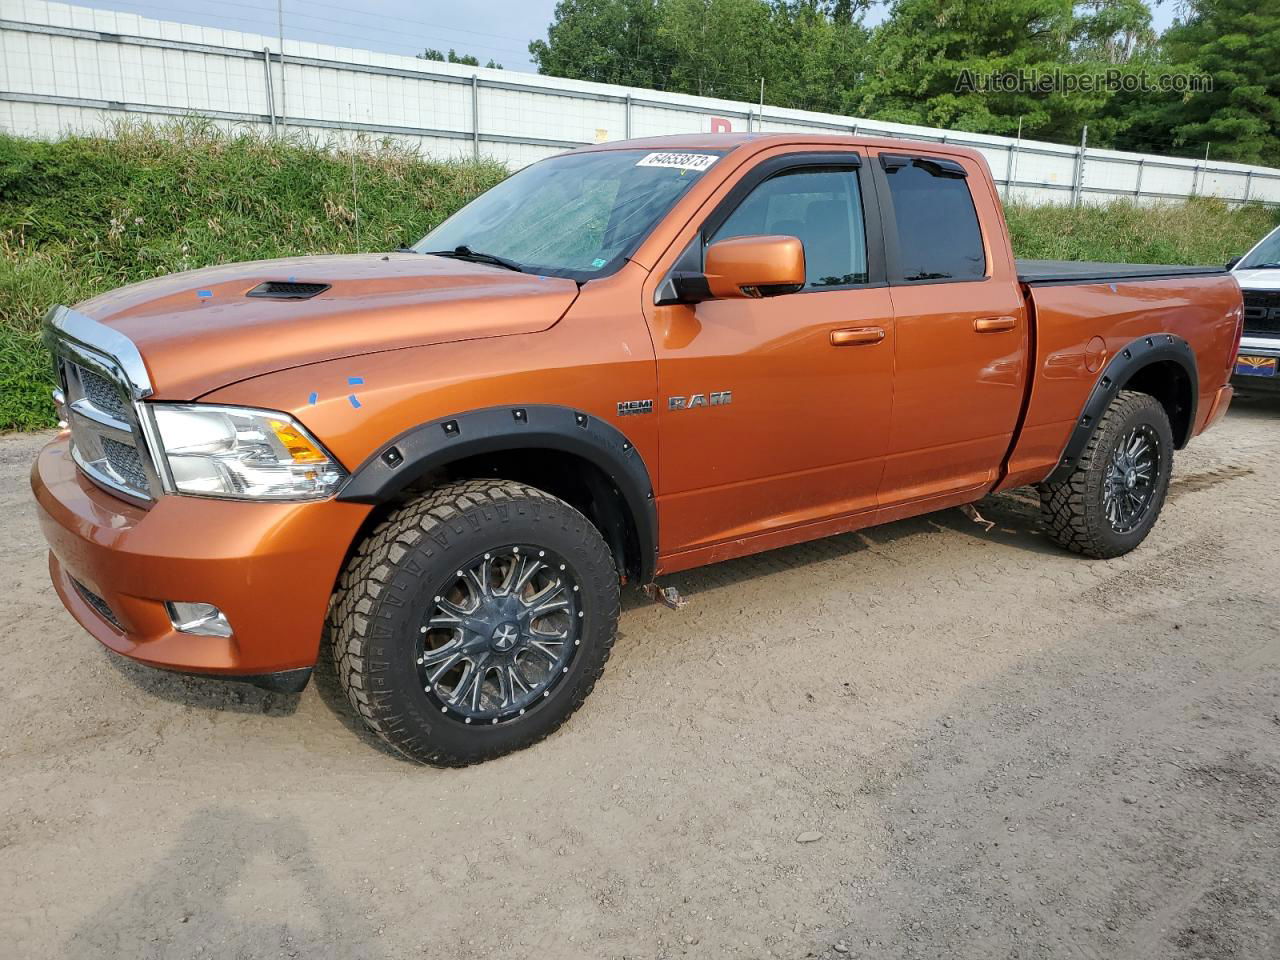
{"x":474,"y":620}
{"x":1112,"y":498}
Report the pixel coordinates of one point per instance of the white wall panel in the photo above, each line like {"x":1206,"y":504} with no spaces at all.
{"x":67,"y":68}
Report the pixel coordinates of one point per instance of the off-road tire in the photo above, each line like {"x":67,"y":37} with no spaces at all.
{"x":1072,"y":510}
{"x":388,"y":585}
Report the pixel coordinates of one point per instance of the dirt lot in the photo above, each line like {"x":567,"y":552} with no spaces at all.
{"x":927,"y":741}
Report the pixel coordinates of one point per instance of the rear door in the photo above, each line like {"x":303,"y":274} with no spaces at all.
{"x":961,"y":336}
{"x":774,"y":412}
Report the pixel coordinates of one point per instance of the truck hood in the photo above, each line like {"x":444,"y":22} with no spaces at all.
{"x":199,"y":330}
{"x":1257,"y":279}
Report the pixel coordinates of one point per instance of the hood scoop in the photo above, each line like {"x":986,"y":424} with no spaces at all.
{"x":282,"y":290}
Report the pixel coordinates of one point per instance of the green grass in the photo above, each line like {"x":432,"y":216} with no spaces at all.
{"x":1201,"y":231}
{"x":85,"y":214}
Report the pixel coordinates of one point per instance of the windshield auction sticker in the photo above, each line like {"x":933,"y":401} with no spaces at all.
{"x":679,"y":161}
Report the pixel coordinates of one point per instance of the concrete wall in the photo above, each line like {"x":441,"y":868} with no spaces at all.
{"x":65,"y":68}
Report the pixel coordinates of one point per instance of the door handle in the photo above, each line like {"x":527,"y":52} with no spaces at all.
{"x":994,"y":324}
{"x":857,"y":336}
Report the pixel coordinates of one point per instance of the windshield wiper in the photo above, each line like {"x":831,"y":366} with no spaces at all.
{"x":463,"y":252}
{"x":1262,"y":266}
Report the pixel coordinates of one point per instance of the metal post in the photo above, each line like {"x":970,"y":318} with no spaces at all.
{"x":1013,"y":162}
{"x":355,"y":186}
{"x":475,"y":116}
{"x":1078,"y":186}
{"x":628,"y":120}
{"x":280,"y":20}
{"x":1248,"y":185}
{"x":1198,"y":177}
{"x":271,"y":93}
{"x":762,"y":103}
{"x":1137,"y":189}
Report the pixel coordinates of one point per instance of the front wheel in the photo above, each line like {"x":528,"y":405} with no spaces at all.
{"x":1111,"y":500}
{"x":474,"y":620}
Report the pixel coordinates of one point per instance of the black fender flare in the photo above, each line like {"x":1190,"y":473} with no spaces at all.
{"x":418,"y":451}
{"x":1140,"y":353}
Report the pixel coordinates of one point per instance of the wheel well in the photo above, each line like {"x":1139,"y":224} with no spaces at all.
{"x":575,"y":480}
{"x":1169,"y":383}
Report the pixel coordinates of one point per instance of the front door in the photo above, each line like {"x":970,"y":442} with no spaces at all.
{"x":774,"y":412}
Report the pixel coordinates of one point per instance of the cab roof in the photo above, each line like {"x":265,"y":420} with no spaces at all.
{"x":763,"y":141}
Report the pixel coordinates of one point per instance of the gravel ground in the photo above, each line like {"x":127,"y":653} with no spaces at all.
{"x":926,"y":740}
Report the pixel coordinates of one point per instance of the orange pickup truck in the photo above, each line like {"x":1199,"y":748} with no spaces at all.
{"x":623,"y":361}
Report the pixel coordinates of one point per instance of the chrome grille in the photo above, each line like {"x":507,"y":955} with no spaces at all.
{"x":102,"y":393}
{"x":102,"y":378}
{"x":124,"y":462}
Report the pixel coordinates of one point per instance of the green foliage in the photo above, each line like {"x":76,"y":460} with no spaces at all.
{"x":87,"y":214}
{"x":1113,"y":32}
{"x":607,"y":41}
{"x":1201,"y":231}
{"x":819,"y":55}
{"x":431,"y":53}
{"x":926,"y":45}
{"x":1236,"y":42}
{"x":808,"y":52}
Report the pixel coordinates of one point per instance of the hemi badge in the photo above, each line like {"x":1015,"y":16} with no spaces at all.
{"x":627,"y":408}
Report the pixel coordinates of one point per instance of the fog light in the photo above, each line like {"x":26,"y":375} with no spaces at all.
{"x":202,"y":619}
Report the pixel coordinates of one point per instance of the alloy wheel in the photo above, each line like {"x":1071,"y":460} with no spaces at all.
{"x":500,"y":635}
{"x":1129,"y":483}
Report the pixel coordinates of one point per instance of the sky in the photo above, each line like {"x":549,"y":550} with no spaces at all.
{"x":495,"y":29}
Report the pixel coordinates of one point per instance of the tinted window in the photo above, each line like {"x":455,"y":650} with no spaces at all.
{"x":938,"y":235}
{"x":822,"y":207}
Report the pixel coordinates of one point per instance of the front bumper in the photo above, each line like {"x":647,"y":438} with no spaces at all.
{"x":270,"y":567}
{"x":1253,"y":346}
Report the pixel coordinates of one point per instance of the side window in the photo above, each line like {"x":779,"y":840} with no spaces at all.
{"x":938,"y":234}
{"x":823,"y":207}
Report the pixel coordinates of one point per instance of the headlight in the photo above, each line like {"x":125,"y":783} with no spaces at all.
{"x":237,"y":452}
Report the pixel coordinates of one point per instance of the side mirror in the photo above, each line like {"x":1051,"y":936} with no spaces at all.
{"x":765,"y":266}
{"x":1233,"y":261}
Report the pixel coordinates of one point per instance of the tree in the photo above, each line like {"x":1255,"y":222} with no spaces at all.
{"x":608,"y":41}
{"x":454,"y":57}
{"x":930,"y":58}
{"x":807,"y":51}
{"x":927,"y":63}
{"x":1237,"y":44}
{"x":1113,"y":32}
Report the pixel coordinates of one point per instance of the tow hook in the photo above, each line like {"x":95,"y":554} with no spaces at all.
{"x":667,"y":596}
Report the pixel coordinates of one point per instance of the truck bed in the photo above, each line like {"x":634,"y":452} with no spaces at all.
{"x":1079,"y":330}
{"x":1042,"y":272}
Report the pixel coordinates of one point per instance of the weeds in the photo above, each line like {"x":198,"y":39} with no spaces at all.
{"x":89,"y":213}
{"x":1200,"y":231}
